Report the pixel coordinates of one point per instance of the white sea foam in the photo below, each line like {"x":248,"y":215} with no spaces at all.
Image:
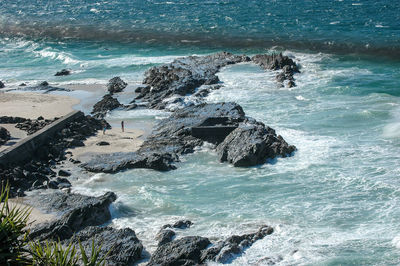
{"x":64,"y":57}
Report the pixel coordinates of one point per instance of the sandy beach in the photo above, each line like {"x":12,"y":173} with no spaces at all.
{"x":119,"y":141}
{"x":36,"y":216}
{"x":32,"y":105}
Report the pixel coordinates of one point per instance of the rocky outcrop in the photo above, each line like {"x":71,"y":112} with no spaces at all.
{"x":92,"y":211}
{"x":37,"y":173}
{"x":226,"y":250}
{"x":251,"y":144}
{"x":183,"y":76}
{"x":195,"y":250}
{"x":164,"y":236}
{"x":278,"y":62}
{"x":115,"y":85}
{"x":1,"y":85}
{"x":106,"y":104}
{"x":32,"y":126}
{"x":63,"y":72}
{"x":122,"y":244}
{"x":184,"y":251}
{"x":242,"y":140}
{"x":4,"y":135}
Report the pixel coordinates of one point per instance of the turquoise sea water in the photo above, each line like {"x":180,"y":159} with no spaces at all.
{"x":336,"y":201}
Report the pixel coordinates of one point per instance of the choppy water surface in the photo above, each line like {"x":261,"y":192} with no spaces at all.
{"x":334,"y":202}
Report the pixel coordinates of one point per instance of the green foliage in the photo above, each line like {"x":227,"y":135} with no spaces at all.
{"x":16,"y":249}
{"x":13,"y":237}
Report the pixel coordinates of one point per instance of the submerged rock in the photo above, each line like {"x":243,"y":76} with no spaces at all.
{"x":63,"y":72}
{"x":116,"y":84}
{"x":4,"y":135}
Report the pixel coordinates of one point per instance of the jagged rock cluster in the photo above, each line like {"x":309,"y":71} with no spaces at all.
{"x":63,"y":72}
{"x":278,"y":62}
{"x":183,"y":76}
{"x":108,"y":102}
{"x":28,"y":125}
{"x":195,"y":250}
{"x":38,"y":173}
{"x":241,"y":140}
{"x":82,"y":215}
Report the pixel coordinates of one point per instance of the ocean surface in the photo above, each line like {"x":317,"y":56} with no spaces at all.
{"x":335,"y":202}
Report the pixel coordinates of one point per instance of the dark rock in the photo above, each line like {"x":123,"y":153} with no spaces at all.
{"x":124,"y":247}
{"x":184,"y":251}
{"x":32,"y":126}
{"x":116,"y":84}
{"x":182,"y":224}
{"x":90,"y":212}
{"x":183,"y":76}
{"x":44,"y":84}
{"x":4,"y":135}
{"x":63,"y":173}
{"x":11,"y":120}
{"x":252,"y":144}
{"x":64,"y":72}
{"x":102,"y":143}
{"x":164,"y":236}
{"x":277,"y":62}
{"x":1,"y":84}
{"x":225,"y":251}
{"x":22,"y":85}
{"x":106,"y":104}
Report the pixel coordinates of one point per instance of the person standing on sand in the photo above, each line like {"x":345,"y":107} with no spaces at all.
{"x":122,"y":125}
{"x":104,"y":129}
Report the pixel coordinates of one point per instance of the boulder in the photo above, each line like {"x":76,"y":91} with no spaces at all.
{"x":4,"y":135}
{"x":63,"y":72}
{"x":107,"y":103}
{"x":252,"y":144}
{"x":63,"y":173}
{"x":116,"y":84}
{"x":184,"y":251}
{"x":164,"y":236}
{"x":122,"y":244}
{"x":1,"y":84}
{"x":93,"y":211}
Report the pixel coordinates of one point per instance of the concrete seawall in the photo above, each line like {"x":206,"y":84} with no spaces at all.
{"x":25,"y":149}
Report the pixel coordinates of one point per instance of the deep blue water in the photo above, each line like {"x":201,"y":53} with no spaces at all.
{"x":345,"y":26}
{"x":335,"y":202}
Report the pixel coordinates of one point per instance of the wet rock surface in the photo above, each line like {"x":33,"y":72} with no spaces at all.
{"x":4,"y":135}
{"x":251,"y":144}
{"x":115,"y":85}
{"x":225,"y":251}
{"x":124,"y":247}
{"x":63,"y":72}
{"x":183,"y":76}
{"x":44,"y":86}
{"x":106,"y":104}
{"x":2,"y":85}
{"x":184,"y":251}
{"x":278,"y":62}
{"x":195,"y":250}
{"x":80,"y":214}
